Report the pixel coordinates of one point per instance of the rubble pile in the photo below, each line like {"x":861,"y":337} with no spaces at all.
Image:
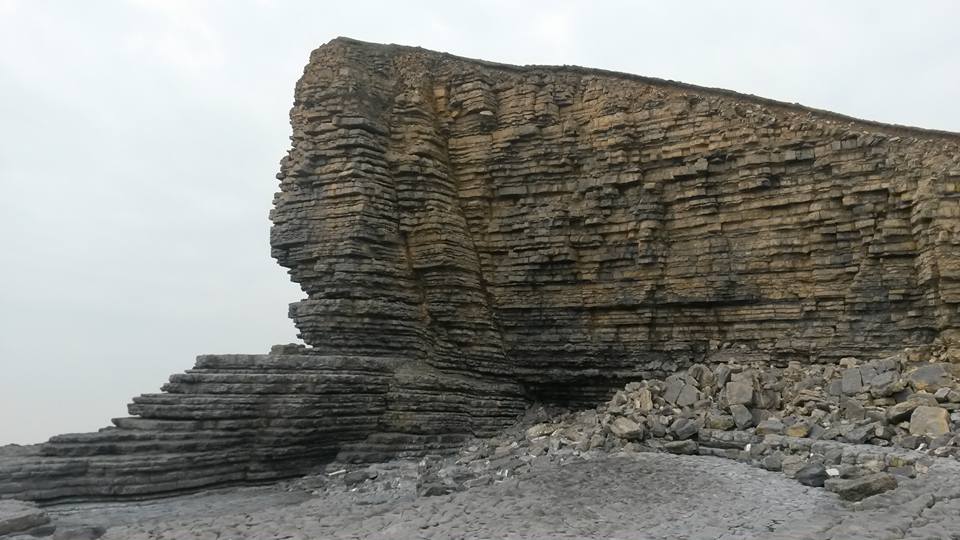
{"x":853,"y":427}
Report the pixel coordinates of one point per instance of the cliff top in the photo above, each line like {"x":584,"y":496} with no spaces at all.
{"x":893,"y":129}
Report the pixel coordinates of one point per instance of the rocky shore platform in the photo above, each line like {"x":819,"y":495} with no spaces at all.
{"x":729,"y":451}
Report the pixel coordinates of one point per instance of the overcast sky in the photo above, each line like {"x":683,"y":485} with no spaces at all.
{"x":139,"y":142}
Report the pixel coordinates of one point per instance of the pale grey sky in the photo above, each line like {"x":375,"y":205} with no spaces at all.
{"x":139,"y":142}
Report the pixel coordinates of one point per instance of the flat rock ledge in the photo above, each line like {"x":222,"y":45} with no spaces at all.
{"x":596,"y":494}
{"x":23,"y":518}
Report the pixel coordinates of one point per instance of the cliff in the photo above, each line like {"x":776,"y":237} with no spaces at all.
{"x":473,"y":236}
{"x":568,"y":227}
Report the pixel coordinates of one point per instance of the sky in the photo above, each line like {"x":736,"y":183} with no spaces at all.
{"x":139,"y":142}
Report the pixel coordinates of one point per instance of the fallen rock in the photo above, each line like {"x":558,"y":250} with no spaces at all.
{"x":800,"y":429}
{"x":626,"y":429}
{"x":851,"y":382}
{"x":929,"y":421}
{"x":812,"y":474}
{"x":684,"y":428}
{"x":929,"y":377}
{"x":886,"y":384}
{"x":856,"y":489}
{"x":688,"y":396}
{"x":716,"y":420}
{"x":902,"y":411}
{"x":643,"y":400}
{"x":770,"y":426}
{"x":739,"y":393}
{"x":741,"y":416}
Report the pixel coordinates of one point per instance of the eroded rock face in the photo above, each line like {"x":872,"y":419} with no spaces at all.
{"x":473,"y":236}
{"x":571,"y":228}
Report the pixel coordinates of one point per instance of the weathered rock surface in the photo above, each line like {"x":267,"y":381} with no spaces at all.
{"x":474,"y":236}
{"x":255,"y":418}
{"x":856,"y":489}
{"x":572,"y":228}
{"x":18,"y":517}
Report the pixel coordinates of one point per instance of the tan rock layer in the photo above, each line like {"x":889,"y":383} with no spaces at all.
{"x":571,"y":228}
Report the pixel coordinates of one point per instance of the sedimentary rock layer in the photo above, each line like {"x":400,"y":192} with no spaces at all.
{"x":253,"y":418}
{"x":570,"y":228}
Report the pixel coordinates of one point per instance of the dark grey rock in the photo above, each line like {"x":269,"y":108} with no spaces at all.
{"x":886,"y":384}
{"x":859,"y":434}
{"x":930,"y":377}
{"x":718,"y":420}
{"x":673,"y":387}
{"x":851,"y":382}
{"x":812,"y":474}
{"x":770,"y":426}
{"x":739,"y":393}
{"x":688,"y":396}
{"x":681,"y":447}
{"x":852,"y":409}
{"x":684,"y":428}
{"x":772,"y":461}
{"x":741,"y":416}
{"x":856,"y":489}
{"x":902,"y":411}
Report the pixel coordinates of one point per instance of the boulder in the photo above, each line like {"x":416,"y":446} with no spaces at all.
{"x":739,"y":393}
{"x":741,"y":416}
{"x":929,"y":421}
{"x":851,"y":382}
{"x":930,"y":377}
{"x":626,"y":429}
{"x":812,"y":474}
{"x":902,"y":411}
{"x":686,"y":447}
{"x":717,"y":420}
{"x":770,"y":426}
{"x":684,"y":428}
{"x":856,"y":489}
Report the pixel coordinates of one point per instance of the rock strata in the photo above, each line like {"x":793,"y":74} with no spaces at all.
{"x":575,"y":229}
{"x":473,"y":237}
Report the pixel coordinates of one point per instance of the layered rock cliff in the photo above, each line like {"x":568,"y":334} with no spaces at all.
{"x":474,"y":236}
{"x":570,"y":228}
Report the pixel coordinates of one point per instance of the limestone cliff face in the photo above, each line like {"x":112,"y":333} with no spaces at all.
{"x":569,"y":228}
{"x":473,"y":236}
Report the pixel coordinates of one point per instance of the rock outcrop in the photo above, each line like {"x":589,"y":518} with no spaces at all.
{"x":472,"y":237}
{"x":572,"y":228}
